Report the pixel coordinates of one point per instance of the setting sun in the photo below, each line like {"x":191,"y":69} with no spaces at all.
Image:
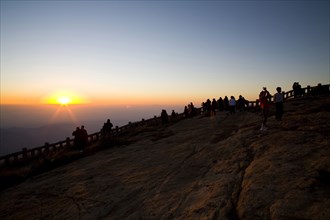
{"x":63,"y":100}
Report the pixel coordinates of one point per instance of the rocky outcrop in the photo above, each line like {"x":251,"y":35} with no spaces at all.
{"x":218,"y":167}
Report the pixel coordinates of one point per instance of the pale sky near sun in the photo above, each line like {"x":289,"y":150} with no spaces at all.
{"x":152,"y":52}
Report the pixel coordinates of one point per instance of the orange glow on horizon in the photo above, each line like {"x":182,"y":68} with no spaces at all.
{"x":64,"y":98}
{"x":140,"y":101}
{"x":19,"y":100}
{"x":60,"y":97}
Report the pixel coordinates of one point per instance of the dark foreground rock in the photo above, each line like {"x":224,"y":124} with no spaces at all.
{"x":218,"y":167}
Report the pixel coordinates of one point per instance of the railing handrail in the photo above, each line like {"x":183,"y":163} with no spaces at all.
{"x":117,"y":130}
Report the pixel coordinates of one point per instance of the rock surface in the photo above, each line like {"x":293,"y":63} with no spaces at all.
{"x":218,"y":167}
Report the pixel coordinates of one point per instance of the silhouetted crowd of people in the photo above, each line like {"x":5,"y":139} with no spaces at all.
{"x":81,"y":136}
{"x":209,"y":108}
{"x":297,"y":91}
{"x":278,"y":99}
{"x":190,"y":110}
{"x":224,"y":104}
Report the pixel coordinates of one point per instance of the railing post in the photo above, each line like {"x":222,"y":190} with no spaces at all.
{"x":7,"y":161}
{"x":15,"y":158}
{"x":24,"y":152}
{"x":46,"y":147}
{"x":39,"y":151}
{"x":308,"y":89}
{"x":32,"y":153}
{"x":155,"y":120}
{"x":67,"y":141}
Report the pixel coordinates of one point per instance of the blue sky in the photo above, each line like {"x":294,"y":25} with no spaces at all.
{"x":147,"y":52}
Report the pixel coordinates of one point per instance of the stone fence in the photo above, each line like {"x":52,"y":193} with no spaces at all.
{"x":53,"y":148}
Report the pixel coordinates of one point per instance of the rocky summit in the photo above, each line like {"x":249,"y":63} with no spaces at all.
{"x":218,"y":167}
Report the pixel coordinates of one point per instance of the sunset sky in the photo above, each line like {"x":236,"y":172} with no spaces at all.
{"x":171,"y":52}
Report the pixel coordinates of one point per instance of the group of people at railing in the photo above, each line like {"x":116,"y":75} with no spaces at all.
{"x":297,"y":90}
{"x":224,"y":104}
{"x":80,"y":138}
{"x":231,"y":105}
{"x":80,"y":135}
{"x":190,"y":110}
{"x":209,"y":108}
{"x":265,"y":100}
{"x":106,"y":129}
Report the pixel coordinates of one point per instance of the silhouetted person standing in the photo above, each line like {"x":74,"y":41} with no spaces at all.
{"x":278,"y":100}
{"x":83,"y":138}
{"x":173,"y":115}
{"x":106,"y":130}
{"x":214,"y":106}
{"x":220,"y":104}
{"x":264,"y":97}
{"x":192,"y":110}
{"x":76,"y":141}
{"x":186,"y":112}
{"x":164,"y":116}
{"x":226,"y":103}
{"x":241,"y":103}
{"x":232,"y":105}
